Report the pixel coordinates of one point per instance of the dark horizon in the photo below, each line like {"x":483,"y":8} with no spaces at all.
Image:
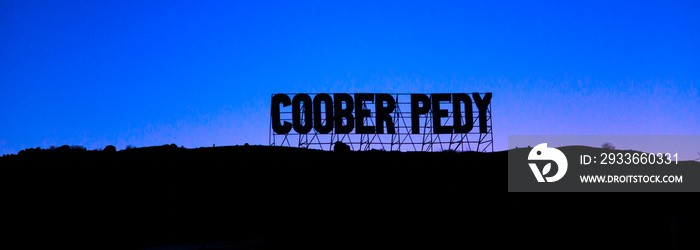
{"x":111,"y":148}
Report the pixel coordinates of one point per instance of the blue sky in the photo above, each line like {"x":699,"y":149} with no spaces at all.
{"x":195,"y":73}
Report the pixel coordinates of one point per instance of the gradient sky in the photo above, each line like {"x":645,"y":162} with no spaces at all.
{"x":195,"y":73}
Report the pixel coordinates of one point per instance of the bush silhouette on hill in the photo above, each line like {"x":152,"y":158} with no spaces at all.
{"x":64,"y":148}
{"x":110,"y":148}
{"x":341,"y":147}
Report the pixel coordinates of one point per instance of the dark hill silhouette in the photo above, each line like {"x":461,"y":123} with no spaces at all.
{"x":287,"y":196}
{"x":279,"y":197}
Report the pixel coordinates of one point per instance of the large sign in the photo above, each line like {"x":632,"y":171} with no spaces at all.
{"x":419,"y":122}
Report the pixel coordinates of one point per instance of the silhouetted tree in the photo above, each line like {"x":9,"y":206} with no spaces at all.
{"x":110,"y":148}
{"x":30,"y":151}
{"x":607,"y":145}
{"x":341,"y":147}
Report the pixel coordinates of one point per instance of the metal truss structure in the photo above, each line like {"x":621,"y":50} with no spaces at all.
{"x":402,"y":140}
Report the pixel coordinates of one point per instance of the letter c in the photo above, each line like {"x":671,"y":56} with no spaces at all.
{"x":275,"y":113}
